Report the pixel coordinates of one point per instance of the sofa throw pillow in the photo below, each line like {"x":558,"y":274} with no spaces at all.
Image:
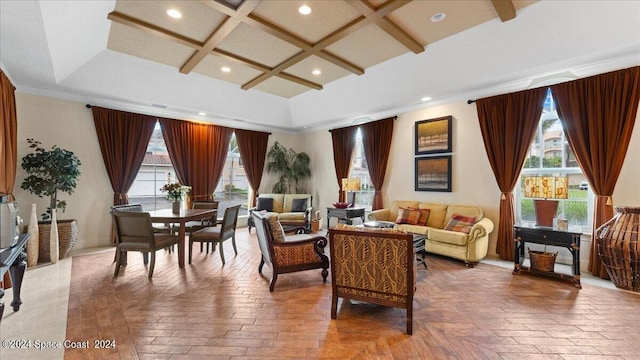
{"x":460,"y":223}
{"x":408,"y":216}
{"x":265,"y":204}
{"x":277,"y":232}
{"x":424,"y":216}
{"x":299,"y":205}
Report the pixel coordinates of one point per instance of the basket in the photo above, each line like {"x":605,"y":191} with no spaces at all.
{"x":67,"y":235}
{"x":542,"y":261}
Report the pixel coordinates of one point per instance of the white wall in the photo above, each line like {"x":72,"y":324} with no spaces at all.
{"x":473,"y":181}
{"x":70,"y":125}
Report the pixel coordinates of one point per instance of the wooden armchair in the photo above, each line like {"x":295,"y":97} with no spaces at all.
{"x":375,"y":266}
{"x":288,"y":256}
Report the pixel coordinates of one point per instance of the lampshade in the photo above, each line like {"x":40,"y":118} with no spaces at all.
{"x":350,"y":184}
{"x":546,"y":187}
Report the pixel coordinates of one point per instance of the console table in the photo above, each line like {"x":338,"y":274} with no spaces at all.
{"x":547,"y":236}
{"x":13,"y":260}
{"x":345,"y":214}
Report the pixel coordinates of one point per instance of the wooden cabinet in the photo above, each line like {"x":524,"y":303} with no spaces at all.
{"x":547,"y":236}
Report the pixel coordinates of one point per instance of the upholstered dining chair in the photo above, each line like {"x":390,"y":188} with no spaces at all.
{"x":134,"y":232}
{"x":193,"y":226}
{"x":287,"y":254}
{"x":227,"y":230}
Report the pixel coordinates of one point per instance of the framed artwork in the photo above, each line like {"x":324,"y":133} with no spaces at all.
{"x":433,"y":136}
{"x":433,"y":173}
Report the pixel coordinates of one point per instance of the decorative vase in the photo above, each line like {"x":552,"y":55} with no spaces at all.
{"x":619,"y":247}
{"x":54,"y":249}
{"x":176,"y":206}
{"x":34,"y":241}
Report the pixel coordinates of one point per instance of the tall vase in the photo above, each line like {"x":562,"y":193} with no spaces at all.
{"x":619,"y":247}
{"x":176,"y":206}
{"x":34,"y":241}
{"x":54,"y":247}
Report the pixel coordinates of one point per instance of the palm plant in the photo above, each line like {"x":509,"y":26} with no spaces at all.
{"x":293,"y":168}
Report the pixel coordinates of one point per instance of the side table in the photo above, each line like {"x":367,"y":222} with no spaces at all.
{"x":345,"y":214}
{"x":547,"y":236}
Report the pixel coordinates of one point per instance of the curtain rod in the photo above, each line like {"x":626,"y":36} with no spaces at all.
{"x":469,"y":102}
{"x":395,"y":117}
{"x":89,"y":106}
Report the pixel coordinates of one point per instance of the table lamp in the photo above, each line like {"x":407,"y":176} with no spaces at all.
{"x":543,"y":188}
{"x":350,"y":184}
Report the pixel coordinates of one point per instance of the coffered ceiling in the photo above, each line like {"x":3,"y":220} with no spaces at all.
{"x":270,"y":46}
{"x":376,"y":58}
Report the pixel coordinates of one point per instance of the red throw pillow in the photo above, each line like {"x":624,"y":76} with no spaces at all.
{"x":460,"y":223}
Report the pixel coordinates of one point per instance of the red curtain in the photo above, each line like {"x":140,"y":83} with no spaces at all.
{"x":198,"y":153}
{"x":376,"y":140}
{"x":123,"y":139}
{"x":599,"y":113}
{"x":508,"y":124}
{"x":253,"y":150}
{"x":8,"y":135}
{"x":344,"y":140}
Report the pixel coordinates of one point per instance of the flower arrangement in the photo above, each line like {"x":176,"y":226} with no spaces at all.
{"x":175,"y":191}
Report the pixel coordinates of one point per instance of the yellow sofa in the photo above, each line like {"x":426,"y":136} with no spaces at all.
{"x":283,"y":205}
{"x":470,"y":248}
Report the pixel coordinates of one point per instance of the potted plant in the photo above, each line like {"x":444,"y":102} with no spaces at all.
{"x":292,"y":167}
{"x":50,"y":171}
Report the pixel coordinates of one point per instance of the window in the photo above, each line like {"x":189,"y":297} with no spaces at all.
{"x":156,"y":171}
{"x":359,"y":169}
{"x":233,"y":187}
{"x":551,"y":155}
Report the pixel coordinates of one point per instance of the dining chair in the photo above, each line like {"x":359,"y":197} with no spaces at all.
{"x":227,"y":230}
{"x":134,"y":232}
{"x":193,"y":226}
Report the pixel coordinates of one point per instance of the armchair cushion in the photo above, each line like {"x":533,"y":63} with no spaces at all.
{"x":264,"y":204}
{"x":277,"y":232}
{"x":299,"y":205}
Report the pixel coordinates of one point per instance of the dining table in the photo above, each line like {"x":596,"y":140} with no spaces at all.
{"x":181,"y":218}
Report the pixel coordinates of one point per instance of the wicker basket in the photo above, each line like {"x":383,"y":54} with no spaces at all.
{"x":67,"y":235}
{"x":619,"y":247}
{"x":542,"y":261}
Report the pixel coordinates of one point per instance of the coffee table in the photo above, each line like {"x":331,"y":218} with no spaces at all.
{"x":418,"y":239}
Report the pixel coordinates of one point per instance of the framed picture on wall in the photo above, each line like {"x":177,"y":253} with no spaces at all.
{"x":433,"y":136}
{"x":433,"y":173}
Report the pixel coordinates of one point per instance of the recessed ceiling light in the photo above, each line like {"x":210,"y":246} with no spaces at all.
{"x":225,"y":69}
{"x":174,"y":13}
{"x":316,"y":72}
{"x":202,"y":113}
{"x":304,"y":10}
{"x":438,"y":17}
{"x":426,"y":98}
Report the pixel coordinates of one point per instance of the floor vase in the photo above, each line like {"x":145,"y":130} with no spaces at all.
{"x":54,"y":249}
{"x":34,"y":241}
{"x":619,"y":247}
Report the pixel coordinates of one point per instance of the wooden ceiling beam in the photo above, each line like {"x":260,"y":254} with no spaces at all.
{"x":227,"y":26}
{"x":505,"y":9}
{"x":383,"y":22}
{"x":152,"y":29}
